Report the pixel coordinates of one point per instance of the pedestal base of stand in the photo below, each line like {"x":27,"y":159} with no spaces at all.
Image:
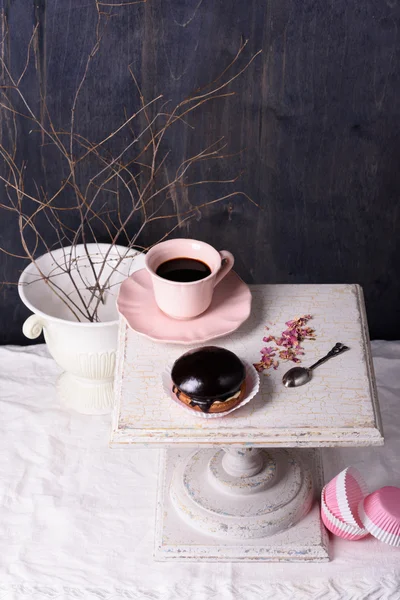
{"x":205,"y":512}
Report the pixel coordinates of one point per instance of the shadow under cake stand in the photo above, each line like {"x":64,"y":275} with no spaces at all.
{"x":246,"y":486}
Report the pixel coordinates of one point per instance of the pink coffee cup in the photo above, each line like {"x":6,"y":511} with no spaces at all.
{"x":185,"y":300}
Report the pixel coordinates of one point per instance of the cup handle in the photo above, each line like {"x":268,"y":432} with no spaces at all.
{"x":227,"y":262}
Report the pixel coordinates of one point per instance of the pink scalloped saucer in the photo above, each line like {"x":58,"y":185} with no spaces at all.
{"x":230,"y":307}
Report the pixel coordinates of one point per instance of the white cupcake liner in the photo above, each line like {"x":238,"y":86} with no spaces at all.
{"x":252,"y":387}
{"x":387,"y":537}
{"x":343,"y":496}
{"x":343,"y":527}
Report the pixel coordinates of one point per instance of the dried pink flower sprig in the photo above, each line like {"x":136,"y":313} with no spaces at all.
{"x":290,"y":340}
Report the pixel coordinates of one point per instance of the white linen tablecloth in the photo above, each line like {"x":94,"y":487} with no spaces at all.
{"x":77,"y":518}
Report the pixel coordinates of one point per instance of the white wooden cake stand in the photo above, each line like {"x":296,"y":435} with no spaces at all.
{"x":245,"y":486}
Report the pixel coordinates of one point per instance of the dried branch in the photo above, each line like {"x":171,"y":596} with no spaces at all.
{"x":125,"y":192}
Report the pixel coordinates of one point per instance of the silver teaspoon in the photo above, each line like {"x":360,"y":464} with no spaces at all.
{"x":301,"y":375}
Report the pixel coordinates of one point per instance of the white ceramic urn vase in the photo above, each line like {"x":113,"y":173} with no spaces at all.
{"x":85,"y":350}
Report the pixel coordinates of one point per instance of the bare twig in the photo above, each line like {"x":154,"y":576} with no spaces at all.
{"x":125,"y":192}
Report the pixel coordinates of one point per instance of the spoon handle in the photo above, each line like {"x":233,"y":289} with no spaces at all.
{"x":336,"y":350}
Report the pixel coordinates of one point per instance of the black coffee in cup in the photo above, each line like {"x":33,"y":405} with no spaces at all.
{"x":183,"y":270}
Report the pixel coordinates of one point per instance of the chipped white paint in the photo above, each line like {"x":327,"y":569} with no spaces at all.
{"x":240,"y":502}
{"x":228,"y":474}
{"x":339,"y":407}
{"x":244,"y":462}
{"x":272,"y":505}
{"x":196,"y":523}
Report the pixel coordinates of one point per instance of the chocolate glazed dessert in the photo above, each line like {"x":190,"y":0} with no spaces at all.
{"x":209,"y":379}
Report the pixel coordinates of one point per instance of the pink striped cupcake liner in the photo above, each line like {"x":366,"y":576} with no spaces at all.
{"x":380,"y":515}
{"x":338,"y":527}
{"x":344,"y":494}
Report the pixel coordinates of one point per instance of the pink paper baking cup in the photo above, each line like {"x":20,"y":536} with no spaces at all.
{"x":380,"y":515}
{"x":337,"y":527}
{"x":344,"y":494}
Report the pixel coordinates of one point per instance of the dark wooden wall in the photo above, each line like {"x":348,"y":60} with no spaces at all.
{"x":318,"y":115}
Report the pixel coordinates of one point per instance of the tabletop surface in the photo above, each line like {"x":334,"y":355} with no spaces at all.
{"x":338,"y":407}
{"x":77,"y":518}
